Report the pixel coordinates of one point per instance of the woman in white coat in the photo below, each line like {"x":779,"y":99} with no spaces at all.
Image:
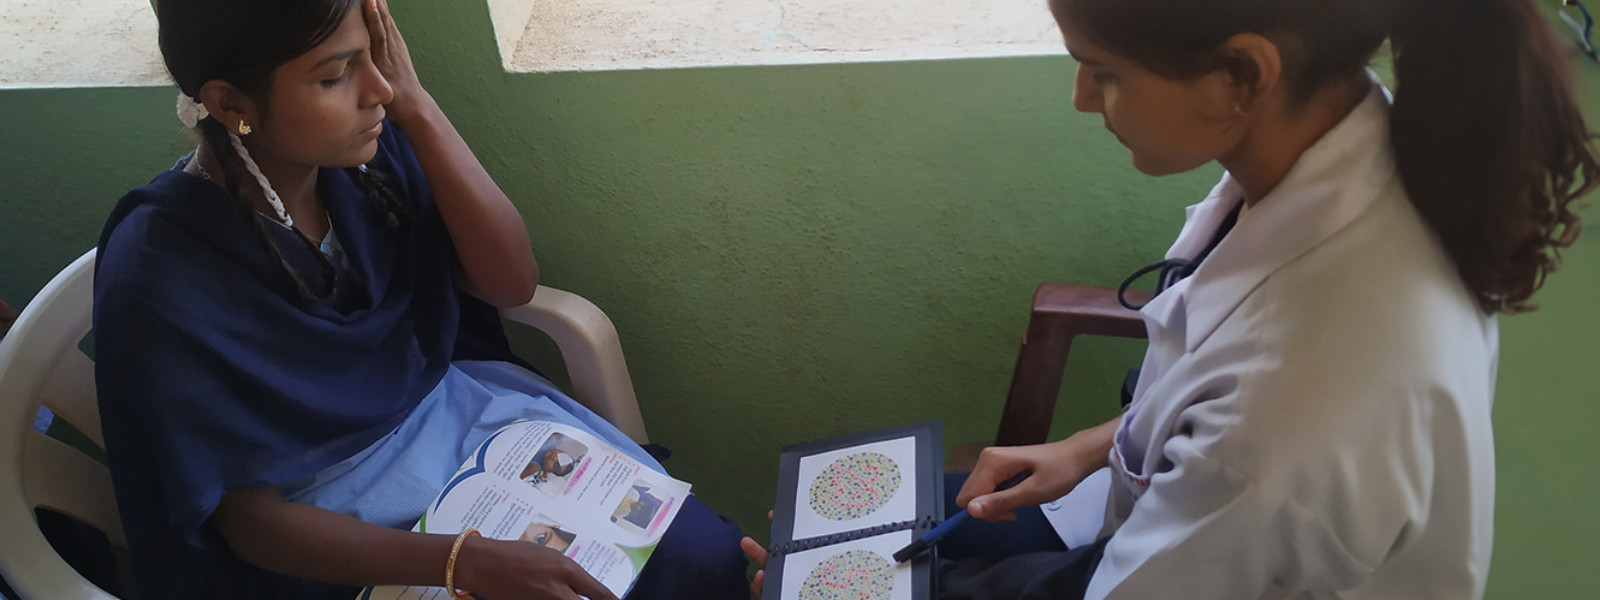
{"x":1313,"y":416}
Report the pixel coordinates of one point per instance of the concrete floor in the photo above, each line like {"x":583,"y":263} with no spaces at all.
{"x":78,"y":43}
{"x":581,"y":35}
{"x":95,"y":43}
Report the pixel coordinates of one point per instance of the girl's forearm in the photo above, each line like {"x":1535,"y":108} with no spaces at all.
{"x":304,"y":541}
{"x":490,"y":237}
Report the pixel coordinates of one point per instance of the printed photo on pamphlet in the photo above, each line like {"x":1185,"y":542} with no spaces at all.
{"x":553,"y":463}
{"x":556,"y":486}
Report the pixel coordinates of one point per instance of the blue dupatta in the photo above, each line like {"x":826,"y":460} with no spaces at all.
{"x":215,"y":376}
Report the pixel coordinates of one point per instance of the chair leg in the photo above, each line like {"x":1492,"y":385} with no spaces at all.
{"x":1036,"y":382}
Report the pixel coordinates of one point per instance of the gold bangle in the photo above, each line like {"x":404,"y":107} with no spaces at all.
{"x":450,"y":565}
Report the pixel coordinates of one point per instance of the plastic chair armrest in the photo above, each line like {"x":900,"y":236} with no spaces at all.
{"x":62,"y":479}
{"x":32,"y":566}
{"x":592,"y":352}
{"x":1060,"y":313}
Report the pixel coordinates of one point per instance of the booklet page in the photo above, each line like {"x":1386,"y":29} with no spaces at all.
{"x":557,"y":486}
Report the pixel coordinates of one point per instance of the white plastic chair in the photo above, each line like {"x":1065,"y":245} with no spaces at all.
{"x":40,"y":364}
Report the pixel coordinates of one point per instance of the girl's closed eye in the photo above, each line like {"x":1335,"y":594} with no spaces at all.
{"x":343,"y":75}
{"x":1103,"y":77}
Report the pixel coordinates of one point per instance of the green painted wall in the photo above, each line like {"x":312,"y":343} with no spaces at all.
{"x":803,"y":251}
{"x":1547,"y":535}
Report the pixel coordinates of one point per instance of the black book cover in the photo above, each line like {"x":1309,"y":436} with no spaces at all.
{"x":857,"y":487}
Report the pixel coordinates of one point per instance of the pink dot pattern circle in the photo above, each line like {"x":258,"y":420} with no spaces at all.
{"x":850,"y":575}
{"x":854,"y":486}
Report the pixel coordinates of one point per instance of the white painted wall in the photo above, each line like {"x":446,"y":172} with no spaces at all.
{"x":567,"y":35}
{"x":78,"y":43}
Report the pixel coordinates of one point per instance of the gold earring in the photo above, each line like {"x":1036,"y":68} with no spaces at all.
{"x":244,"y":128}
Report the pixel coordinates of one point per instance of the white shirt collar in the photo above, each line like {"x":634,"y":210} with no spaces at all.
{"x":1333,"y":182}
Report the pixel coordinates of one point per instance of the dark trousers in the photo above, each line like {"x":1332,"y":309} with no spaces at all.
{"x":1018,"y":560}
{"x":698,"y":559}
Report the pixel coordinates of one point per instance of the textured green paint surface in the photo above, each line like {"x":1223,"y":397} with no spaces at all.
{"x":797,"y":252}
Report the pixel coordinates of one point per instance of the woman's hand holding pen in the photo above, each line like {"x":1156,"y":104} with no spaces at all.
{"x":1057,"y":468}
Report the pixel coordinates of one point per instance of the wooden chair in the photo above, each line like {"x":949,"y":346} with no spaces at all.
{"x":1061,"y":313}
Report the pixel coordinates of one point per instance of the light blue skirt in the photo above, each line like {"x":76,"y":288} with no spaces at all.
{"x":391,"y":482}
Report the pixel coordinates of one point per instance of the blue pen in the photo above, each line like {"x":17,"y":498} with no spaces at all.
{"x":932,"y":537}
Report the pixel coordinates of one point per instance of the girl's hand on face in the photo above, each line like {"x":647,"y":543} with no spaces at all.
{"x":515,"y":569}
{"x":390,"y":55}
{"x":1057,"y":468}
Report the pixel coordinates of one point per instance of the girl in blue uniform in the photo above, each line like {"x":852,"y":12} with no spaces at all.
{"x":296,"y":331}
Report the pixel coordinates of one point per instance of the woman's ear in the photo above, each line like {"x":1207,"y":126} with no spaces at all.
{"x":1255,"y":66}
{"x":229,"y":106}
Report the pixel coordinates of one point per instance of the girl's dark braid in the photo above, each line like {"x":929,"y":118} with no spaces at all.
{"x":222,"y":148}
{"x":375,"y":181}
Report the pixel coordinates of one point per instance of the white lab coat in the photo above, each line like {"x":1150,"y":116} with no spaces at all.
{"x":1312,"y":418}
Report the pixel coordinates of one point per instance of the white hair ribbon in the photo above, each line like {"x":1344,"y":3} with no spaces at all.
{"x":190,"y":111}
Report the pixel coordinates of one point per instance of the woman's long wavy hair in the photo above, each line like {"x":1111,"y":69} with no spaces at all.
{"x":1488,"y":136}
{"x":243,"y":42}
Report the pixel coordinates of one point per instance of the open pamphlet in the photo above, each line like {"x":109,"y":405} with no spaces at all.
{"x":845,"y":505}
{"x":557,"y":486}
